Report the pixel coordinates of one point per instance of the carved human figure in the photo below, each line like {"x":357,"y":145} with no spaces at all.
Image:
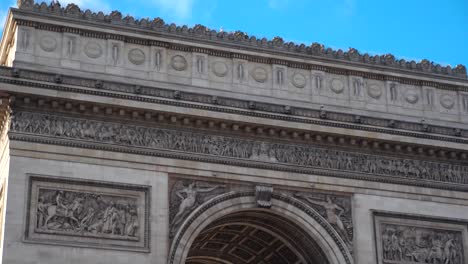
{"x":70,"y":47}
{"x":279,"y":77}
{"x":85,"y":222}
{"x":331,"y":210}
{"x":115,"y":54}
{"x":188,"y":196}
{"x":132,"y":222}
{"x":393,"y":92}
{"x":430,"y":97}
{"x":157,"y":60}
{"x":436,"y":254}
{"x":41,"y":212}
{"x":109,"y":217}
{"x":450,"y":252}
{"x":200,"y":64}
{"x":395,"y":249}
{"x":318,"y":82}
{"x":240,"y":71}
{"x":357,"y":85}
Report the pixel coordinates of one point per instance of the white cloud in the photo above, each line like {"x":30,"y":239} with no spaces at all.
{"x":182,"y":9}
{"x":93,"y":5}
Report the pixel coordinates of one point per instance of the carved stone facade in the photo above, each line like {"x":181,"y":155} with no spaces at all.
{"x":102,"y":214}
{"x":130,"y":140}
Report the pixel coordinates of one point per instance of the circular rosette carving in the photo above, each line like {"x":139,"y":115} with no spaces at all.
{"x":260,"y":74}
{"x":412,"y":97}
{"x":220,"y":68}
{"x":93,"y":50}
{"x":136,"y":56}
{"x":48,"y":43}
{"x":447,"y":101}
{"x":299,"y":80}
{"x":337,"y":86}
{"x":374,"y":91}
{"x":178,"y":63}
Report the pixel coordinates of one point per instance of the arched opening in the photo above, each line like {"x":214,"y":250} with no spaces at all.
{"x":231,"y":228}
{"x":254,"y":236}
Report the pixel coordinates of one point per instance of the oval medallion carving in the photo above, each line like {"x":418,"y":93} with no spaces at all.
{"x":178,"y":63}
{"x":337,"y":86}
{"x":299,"y":80}
{"x":220,"y":68}
{"x":48,"y":43}
{"x":447,"y":101}
{"x":93,"y":50}
{"x":374,"y":91}
{"x":260,"y":74}
{"x":412,"y":97}
{"x":136,"y":56}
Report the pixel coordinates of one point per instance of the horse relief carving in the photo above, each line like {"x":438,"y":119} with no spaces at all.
{"x":87,"y":214}
{"x":97,"y":214}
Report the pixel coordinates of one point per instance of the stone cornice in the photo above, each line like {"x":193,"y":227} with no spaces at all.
{"x":239,"y":40}
{"x":227,"y":105}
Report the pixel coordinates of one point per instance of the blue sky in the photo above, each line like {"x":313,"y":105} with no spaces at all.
{"x":409,"y":29}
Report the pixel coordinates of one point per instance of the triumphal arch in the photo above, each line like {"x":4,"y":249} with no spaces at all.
{"x":129,"y":140}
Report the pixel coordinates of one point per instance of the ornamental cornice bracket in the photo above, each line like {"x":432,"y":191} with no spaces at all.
{"x":263,"y":195}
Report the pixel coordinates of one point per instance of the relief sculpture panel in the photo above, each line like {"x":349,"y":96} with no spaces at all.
{"x":412,"y":240}
{"x":87,"y":214}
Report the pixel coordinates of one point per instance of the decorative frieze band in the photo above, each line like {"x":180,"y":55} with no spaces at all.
{"x":327,"y":160}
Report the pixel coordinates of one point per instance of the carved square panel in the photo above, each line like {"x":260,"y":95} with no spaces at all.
{"x":88,"y":214}
{"x":406,"y":239}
